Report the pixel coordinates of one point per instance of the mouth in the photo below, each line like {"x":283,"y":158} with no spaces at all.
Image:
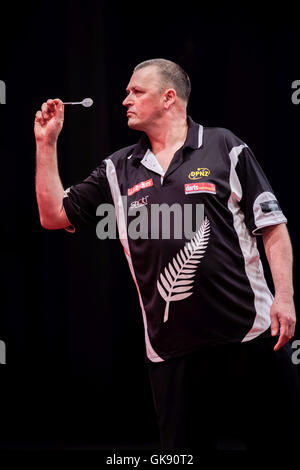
{"x":129,"y":113}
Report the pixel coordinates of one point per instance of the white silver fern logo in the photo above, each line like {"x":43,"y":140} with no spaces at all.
{"x":178,"y":277}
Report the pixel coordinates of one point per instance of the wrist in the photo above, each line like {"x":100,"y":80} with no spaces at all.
{"x":286,"y":295}
{"x":46,"y":150}
{"x":45,"y":144}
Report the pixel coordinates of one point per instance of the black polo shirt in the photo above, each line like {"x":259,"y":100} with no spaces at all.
{"x":206,"y":288}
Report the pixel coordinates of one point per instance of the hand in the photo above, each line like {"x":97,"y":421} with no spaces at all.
{"x":49,"y":121}
{"x":283,"y":316}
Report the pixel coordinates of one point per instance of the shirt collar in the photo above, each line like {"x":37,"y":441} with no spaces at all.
{"x":194,"y":140}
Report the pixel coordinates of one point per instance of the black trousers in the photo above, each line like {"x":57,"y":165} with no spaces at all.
{"x":246,"y":389}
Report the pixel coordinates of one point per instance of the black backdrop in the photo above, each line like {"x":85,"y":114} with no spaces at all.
{"x":70,"y":317}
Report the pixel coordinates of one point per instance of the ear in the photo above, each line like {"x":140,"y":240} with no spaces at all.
{"x":169,"y":97}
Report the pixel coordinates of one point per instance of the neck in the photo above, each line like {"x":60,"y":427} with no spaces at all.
{"x":168,"y":135}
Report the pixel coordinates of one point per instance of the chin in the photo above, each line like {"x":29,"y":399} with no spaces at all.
{"x":135,"y":125}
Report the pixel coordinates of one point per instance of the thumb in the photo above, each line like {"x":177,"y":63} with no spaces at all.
{"x":274,"y":325}
{"x":59,"y":108}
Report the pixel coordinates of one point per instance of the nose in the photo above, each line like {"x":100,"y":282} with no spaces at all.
{"x":126,"y":101}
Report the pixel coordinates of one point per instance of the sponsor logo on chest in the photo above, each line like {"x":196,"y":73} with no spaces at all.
{"x":143,"y":201}
{"x":198,"y":174}
{"x":142,"y":185}
{"x":191,"y":188}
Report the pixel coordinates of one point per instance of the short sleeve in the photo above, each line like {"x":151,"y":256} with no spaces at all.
{"x":81,"y":200}
{"x":259,"y":203}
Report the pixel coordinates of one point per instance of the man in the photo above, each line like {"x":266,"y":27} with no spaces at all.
{"x":209,"y":316}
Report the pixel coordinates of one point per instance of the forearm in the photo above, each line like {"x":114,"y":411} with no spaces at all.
{"x":49,"y":189}
{"x":279,"y":253}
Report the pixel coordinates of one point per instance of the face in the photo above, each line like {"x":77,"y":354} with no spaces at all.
{"x":144,"y":99}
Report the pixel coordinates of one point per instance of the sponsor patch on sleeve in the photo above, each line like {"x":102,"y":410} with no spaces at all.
{"x":270,"y":206}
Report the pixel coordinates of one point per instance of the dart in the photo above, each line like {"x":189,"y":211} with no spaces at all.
{"x":87,"y":102}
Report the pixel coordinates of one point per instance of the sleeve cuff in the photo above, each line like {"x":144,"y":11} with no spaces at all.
{"x":258,"y":230}
{"x":70,"y":228}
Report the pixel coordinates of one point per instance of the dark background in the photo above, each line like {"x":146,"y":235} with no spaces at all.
{"x":70,"y":316}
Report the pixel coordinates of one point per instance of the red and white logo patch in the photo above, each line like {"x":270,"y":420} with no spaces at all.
{"x":200,"y":188}
{"x":139,"y":186}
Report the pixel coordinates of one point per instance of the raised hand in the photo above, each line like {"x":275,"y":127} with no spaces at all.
{"x":49,"y":121}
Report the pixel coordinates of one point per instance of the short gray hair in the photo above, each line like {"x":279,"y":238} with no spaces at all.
{"x":170,"y":73}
